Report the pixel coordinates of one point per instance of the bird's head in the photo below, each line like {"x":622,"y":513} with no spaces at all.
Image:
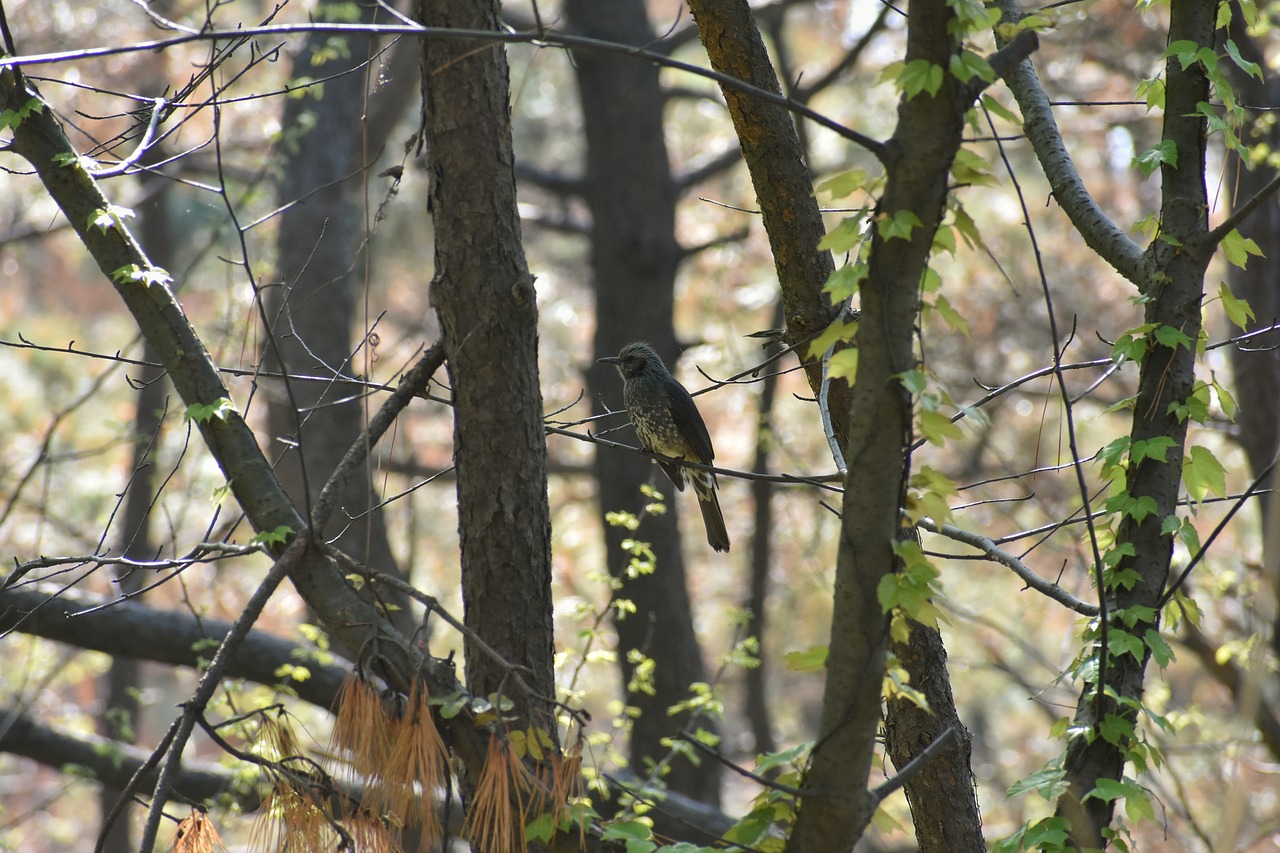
{"x":634,"y":359}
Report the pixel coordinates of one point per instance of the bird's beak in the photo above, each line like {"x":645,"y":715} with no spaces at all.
{"x":609,"y":359}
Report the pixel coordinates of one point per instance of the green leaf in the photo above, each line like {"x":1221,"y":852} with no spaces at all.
{"x":1152,"y":90}
{"x":1122,"y":642}
{"x":950,"y":315}
{"x":273,"y":537}
{"x":1049,"y":782}
{"x":1047,"y":834}
{"x":1253,"y":69}
{"x":111,"y":216}
{"x":844,"y":364}
{"x":1161,"y":651}
{"x":1186,"y":51}
{"x":966,"y":65}
{"x":914,"y":380}
{"x":1132,"y":345}
{"x":920,"y":75}
{"x":1156,"y":448}
{"x":1137,"y":804}
{"x":1226,"y":400}
{"x":1136,"y":508}
{"x":900,"y":224}
{"x":540,"y":828}
{"x":844,"y":282}
{"x":1116,"y":729}
{"x":1107,"y":790}
{"x":936,"y":428}
{"x":1238,"y":248}
{"x":811,"y":659}
{"x":999,"y":109}
{"x":10,"y":119}
{"x":1203,"y":473}
{"x":1171,"y":337}
{"x":844,"y":236}
{"x":635,"y":833}
{"x":845,"y":183}
{"x":205,"y":412}
{"x":839,"y":330}
{"x":1151,"y":159}
{"x":144,"y":276}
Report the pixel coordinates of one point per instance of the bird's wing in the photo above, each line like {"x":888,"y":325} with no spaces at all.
{"x":689,"y":419}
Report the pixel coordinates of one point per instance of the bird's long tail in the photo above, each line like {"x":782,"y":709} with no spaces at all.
{"x":704,"y":486}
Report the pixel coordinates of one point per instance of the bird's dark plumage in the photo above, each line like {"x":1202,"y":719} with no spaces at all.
{"x":668,"y":423}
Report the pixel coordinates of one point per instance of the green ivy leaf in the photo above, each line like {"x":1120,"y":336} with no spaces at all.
{"x":844,"y":236}
{"x":1122,"y":642}
{"x":998,"y":109}
{"x":1107,"y":790}
{"x":1253,"y":69}
{"x":844,"y":364}
{"x":1152,"y":90}
{"x":1156,"y":448}
{"x":936,"y":428}
{"x":844,"y":184}
{"x":273,"y":537}
{"x":1049,"y":782}
{"x":1238,"y":248}
{"x":839,"y":330}
{"x":1238,"y":311}
{"x":1161,"y":651}
{"x":1151,"y":159}
{"x":811,"y":659}
{"x":950,"y":315}
{"x":205,"y":412}
{"x":845,"y":281}
{"x":1116,"y":729}
{"x":920,"y":75}
{"x":898,"y":225}
{"x":1171,"y":337}
{"x":636,"y":834}
{"x":966,"y":65}
{"x":10,"y":119}
{"x":1203,"y":473}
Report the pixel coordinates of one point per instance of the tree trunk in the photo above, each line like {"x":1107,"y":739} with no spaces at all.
{"x":943,"y":796}
{"x":917,"y":164}
{"x":1175,"y":283}
{"x":487,"y":306}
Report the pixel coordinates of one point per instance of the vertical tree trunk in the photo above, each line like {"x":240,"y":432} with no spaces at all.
{"x":487,"y":305}
{"x":943,"y":796}
{"x":1174,"y":283}
{"x":917,"y":164}
{"x":315,"y":305}
{"x":634,"y":258}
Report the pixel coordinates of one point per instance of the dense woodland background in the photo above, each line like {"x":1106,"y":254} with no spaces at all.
{"x":327,"y":231}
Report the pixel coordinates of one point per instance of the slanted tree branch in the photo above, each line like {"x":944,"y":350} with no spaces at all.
{"x":1101,"y":234}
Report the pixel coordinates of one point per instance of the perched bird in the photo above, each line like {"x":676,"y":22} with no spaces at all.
{"x":668,"y":424}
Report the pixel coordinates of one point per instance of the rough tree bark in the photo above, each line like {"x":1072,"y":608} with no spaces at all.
{"x":487,"y":306}
{"x":632,"y":195}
